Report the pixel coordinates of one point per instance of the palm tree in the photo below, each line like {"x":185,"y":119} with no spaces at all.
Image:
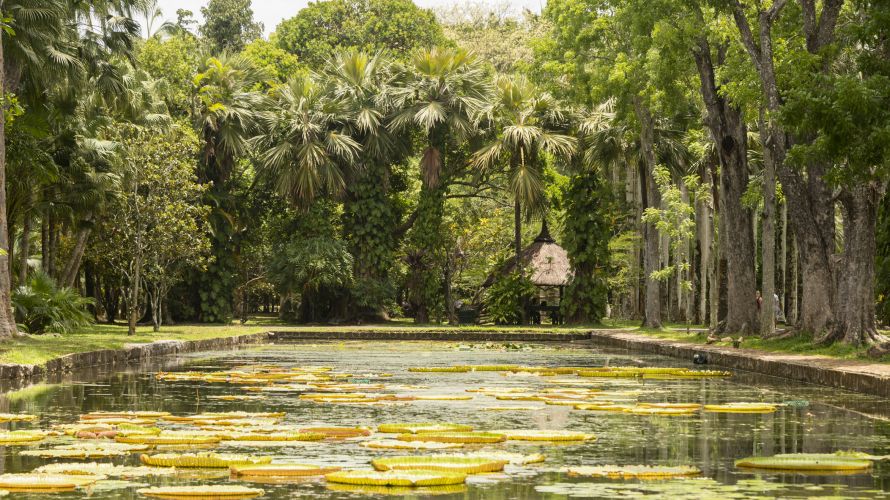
{"x":227,"y":112}
{"x":362,"y":82}
{"x":304,"y":147}
{"x":53,"y":41}
{"x":526,"y":123}
{"x":440,"y":92}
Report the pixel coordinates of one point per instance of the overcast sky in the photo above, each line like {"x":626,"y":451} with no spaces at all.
{"x":271,"y":12}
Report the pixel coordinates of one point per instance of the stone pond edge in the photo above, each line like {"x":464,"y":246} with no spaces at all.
{"x":840,"y":374}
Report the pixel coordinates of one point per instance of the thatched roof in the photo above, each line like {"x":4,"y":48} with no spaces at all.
{"x":547,"y":262}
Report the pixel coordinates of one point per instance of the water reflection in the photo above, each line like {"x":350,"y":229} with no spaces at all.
{"x":819,"y":420}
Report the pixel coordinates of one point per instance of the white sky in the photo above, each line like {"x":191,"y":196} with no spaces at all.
{"x":271,"y":12}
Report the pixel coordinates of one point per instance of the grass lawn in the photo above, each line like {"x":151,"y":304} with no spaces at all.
{"x":38,"y":349}
{"x":799,"y":344}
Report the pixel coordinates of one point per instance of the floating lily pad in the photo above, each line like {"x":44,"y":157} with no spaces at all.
{"x":17,"y":417}
{"x":394,"y":444}
{"x":396,"y":478}
{"x":338,"y":432}
{"x":214,"y":491}
{"x":454,"y":437}
{"x":741,"y":408}
{"x":201,"y":460}
{"x":805,"y":462}
{"x":423,"y":427}
{"x":544,"y":435}
{"x":634,"y":471}
{"x":167,"y":439}
{"x":110,"y":470}
{"x":467,"y":465}
{"x":282,"y":470}
{"x":44,"y":482}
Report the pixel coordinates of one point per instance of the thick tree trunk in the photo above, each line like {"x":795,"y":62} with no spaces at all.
{"x":73,"y":267}
{"x":727,"y":128}
{"x":768,"y":256}
{"x":783,"y":262}
{"x":7,"y":315}
{"x":854,"y":319}
{"x":651,"y":198}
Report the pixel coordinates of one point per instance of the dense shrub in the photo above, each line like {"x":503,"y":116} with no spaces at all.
{"x":42,"y":306}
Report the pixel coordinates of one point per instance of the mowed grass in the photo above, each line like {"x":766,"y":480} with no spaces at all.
{"x":798,"y":344}
{"x":38,"y":349}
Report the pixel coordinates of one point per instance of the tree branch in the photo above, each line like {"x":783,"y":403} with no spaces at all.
{"x":741,"y":21}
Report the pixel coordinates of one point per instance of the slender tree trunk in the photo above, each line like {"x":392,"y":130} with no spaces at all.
{"x":703,"y":228}
{"x":651,"y":198}
{"x":783,"y":262}
{"x":727,"y":128}
{"x":73,"y":267}
{"x":7,"y":315}
{"x":517,"y":249}
{"x":52,"y":246}
{"x":768,"y":267}
{"x":792,"y":312}
{"x":27,"y":226}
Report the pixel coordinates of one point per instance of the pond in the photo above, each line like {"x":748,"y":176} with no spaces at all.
{"x":808,"y":419}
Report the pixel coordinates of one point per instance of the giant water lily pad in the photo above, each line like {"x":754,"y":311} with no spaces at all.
{"x":741,"y":408}
{"x":423,"y":427}
{"x":395,"y":444}
{"x":397,"y":478}
{"x":17,"y":417}
{"x":210,"y":491}
{"x":44,"y":482}
{"x":634,"y":471}
{"x":163,"y":439}
{"x":467,"y":465}
{"x":201,"y":460}
{"x":110,"y":470}
{"x":21,"y":437}
{"x":454,"y":437}
{"x":512,"y":458}
{"x":282,"y":470}
{"x":805,"y":462}
{"x":544,"y":435}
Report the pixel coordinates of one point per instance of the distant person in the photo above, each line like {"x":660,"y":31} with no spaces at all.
{"x":780,"y":315}
{"x":759,"y":300}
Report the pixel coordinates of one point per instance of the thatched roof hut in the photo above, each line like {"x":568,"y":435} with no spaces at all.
{"x":547,"y":262}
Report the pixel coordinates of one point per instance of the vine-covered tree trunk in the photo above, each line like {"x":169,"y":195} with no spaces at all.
{"x":7,"y":316}
{"x":727,"y":127}
{"x":651,"y":198}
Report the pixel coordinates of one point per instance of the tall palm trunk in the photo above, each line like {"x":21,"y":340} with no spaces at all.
{"x":517,"y":249}
{"x":7,"y":316}
{"x":25,"y":250}
{"x":73,"y":266}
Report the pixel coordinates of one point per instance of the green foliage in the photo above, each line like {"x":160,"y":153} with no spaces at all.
{"x":174,"y":59}
{"x":505,"y":298}
{"x":279,"y":64}
{"x":42,"y":306}
{"x":229,"y":25}
{"x":586,"y":240}
{"x":676,"y":220}
{"x":369,"y":25}
{"x":501,"y":40}
{"x":318,"y":271}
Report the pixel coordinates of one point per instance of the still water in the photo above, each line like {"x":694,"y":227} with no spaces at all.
{"x":813,"y":419}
